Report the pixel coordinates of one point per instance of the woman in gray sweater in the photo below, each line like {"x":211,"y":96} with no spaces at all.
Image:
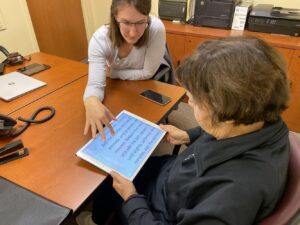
{"x":132,"y":46}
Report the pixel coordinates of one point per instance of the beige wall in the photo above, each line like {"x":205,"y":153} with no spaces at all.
{"x":96,"y":13}
{"x":19,"y":34}
{"x":282,"y":3}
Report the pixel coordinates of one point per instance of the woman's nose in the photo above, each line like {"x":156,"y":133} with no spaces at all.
{"x":133,"y":31}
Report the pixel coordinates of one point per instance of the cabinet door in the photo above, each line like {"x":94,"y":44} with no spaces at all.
{"x":292,"y":115}
{"x":191,"y":43}
{"x":287,"y":54}
{"x":59,"y":27}
{"x":176,"y":45}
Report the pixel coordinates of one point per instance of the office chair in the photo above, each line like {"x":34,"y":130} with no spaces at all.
{"x":287,"y":212}
{"x":165,"y":72}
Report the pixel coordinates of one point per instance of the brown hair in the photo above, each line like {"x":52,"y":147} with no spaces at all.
{"x":143,"y":6}
{"x":239,"y":78}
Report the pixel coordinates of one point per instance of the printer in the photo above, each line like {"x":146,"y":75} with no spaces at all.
{"x":214,"y":13}
{"x":172,"y":9}
{"x":269,"y":19}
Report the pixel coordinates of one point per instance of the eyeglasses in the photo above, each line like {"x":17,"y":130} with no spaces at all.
{"x":126,"y":25}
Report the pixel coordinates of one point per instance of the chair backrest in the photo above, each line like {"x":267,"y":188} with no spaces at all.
{"x":289,"y":205}
{"x":165,"y":72}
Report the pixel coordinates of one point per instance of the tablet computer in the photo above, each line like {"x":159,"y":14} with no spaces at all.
{"x":126,"y":152}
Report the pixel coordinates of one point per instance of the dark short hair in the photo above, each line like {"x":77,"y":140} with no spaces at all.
{"x":242,"y":79}
{"x":143,"y":6}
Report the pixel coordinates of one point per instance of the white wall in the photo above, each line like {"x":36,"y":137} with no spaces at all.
{"x":19,"y":34}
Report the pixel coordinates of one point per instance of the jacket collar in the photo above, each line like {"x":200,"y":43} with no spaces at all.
{"x":212,"y":152}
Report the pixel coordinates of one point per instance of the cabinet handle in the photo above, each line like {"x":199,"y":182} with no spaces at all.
{"x":178,"y":62}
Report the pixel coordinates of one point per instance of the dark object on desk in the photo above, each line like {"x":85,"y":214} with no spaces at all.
{"x":2,"y":67}
{"x":214,"y":13}
{"x":277,"y":20}
{"x":7,"y":124}
{"x":172,"y":9}
{"x":33,"y":69}
{"x":12,"y":151}
{"x":13,"y":58}
{"x":19,"y":206}
{"x":155,"y":97}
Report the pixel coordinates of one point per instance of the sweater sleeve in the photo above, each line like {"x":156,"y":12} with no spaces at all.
{"x":97,"y":53}
{"x":155,"y":51}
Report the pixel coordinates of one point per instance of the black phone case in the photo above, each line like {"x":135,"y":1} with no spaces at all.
{"x":31,"y":71}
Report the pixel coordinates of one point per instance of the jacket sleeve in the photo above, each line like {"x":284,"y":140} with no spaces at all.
{"x":137,"y":212}
{"x":194,"y":133}
{"x":217,"y":201}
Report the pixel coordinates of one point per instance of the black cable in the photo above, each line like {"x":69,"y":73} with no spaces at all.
{"x":32,"y":119}
{"x":2,"y":67}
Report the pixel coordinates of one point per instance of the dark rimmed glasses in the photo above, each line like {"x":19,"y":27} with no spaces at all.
{"x":126,"y":25}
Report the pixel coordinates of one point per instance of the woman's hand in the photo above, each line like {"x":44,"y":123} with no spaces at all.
{"x":124,"y":187}
{"x":97,"y":115}
{"x":175,"y":135}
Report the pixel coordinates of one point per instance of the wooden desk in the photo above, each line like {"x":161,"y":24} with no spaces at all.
{"x":62,"y":72}
{"x":52,"y":169}
{"x":183,"y":40}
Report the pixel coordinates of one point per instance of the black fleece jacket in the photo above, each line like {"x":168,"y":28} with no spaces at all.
{"x":234,"y":181}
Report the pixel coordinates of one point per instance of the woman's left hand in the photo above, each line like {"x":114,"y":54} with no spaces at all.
{"x":124,"y":187}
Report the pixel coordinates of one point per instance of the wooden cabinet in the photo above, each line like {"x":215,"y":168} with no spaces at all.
{"x":287,"y":54}
{"x":182,"y":46}
{"x":191,"y":43}
{"x":292,"y":114}
{"x":176,"y":47}
{"x":59,"y":27}
{"x":184,"y":39}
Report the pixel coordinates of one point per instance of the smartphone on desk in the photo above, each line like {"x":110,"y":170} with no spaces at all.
{"x":155,"y":97}
{"x":33,"y":69}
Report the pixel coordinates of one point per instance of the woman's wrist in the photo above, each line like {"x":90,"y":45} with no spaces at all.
{"x":91,"y":99}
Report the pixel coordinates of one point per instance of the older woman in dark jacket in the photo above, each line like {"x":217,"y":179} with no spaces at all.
{"x":234,"y":169}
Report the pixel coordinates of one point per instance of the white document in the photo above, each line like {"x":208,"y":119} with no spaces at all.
{"x":15,"y":84}
{"x":126,"y":152}
{"x":240,"y":15}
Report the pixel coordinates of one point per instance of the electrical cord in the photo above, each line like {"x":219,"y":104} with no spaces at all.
{"x":32,"y":119}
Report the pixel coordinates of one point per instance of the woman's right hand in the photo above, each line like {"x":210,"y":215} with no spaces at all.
{"x":175,"y":135}
{"x":97,"y":115}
